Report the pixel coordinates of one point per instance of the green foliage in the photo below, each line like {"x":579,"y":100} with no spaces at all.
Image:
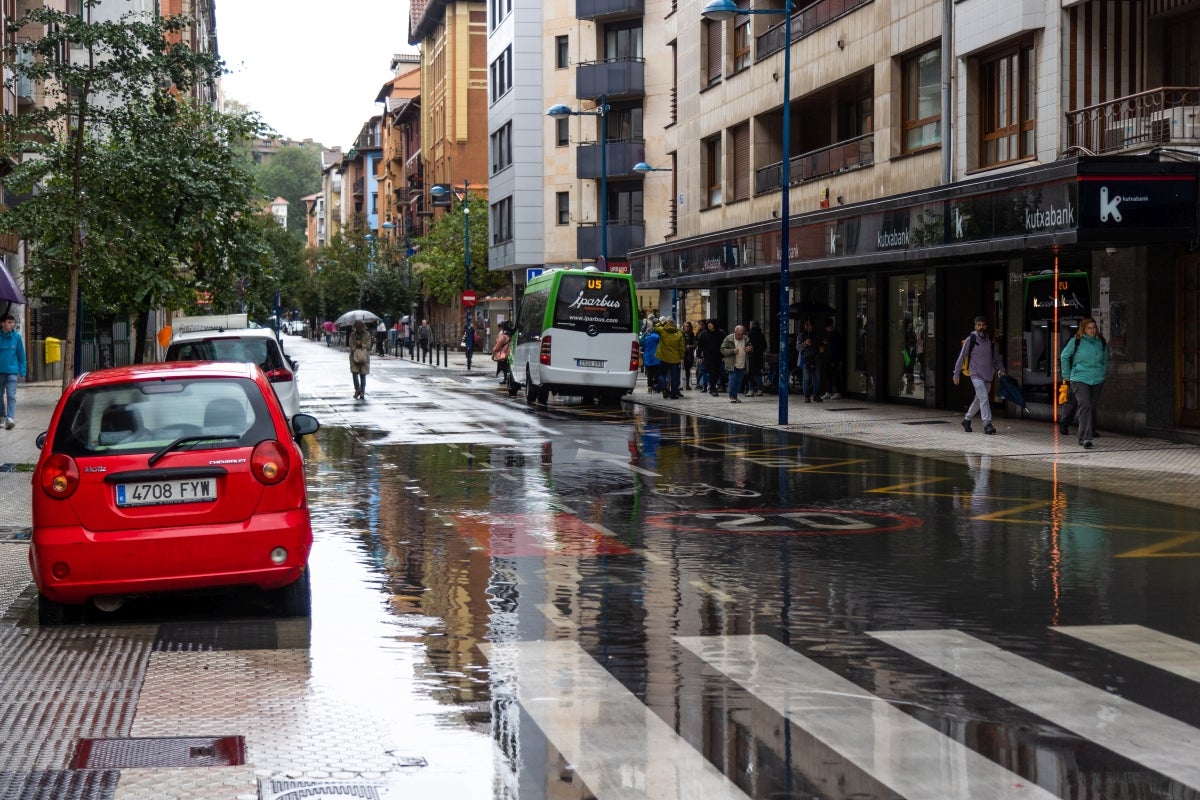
{"x":439,"y":262}
{"x":292,"y":173}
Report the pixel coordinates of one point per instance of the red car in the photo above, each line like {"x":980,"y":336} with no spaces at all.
{"x":166,"y":478}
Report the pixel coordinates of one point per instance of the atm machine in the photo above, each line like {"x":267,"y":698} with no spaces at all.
{"x":1070,"y":294}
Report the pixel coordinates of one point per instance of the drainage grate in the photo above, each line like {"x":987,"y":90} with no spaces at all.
{"x":270,"y":789}
{"x":926,"y":422}
{"x":59,"y":784}
{"x":174,"y":751}
{"x":196,"y":636}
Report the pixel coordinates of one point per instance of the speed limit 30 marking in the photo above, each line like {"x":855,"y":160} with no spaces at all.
{"x":785,"y":521}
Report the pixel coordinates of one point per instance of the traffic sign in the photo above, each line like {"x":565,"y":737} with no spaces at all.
{"x":468,"y":297}
{"x":531,"y":273}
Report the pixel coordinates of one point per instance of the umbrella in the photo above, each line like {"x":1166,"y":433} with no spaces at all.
{"x":8,"y":288}
{"x":329,"y":326}
{"x":357,"y":315}
{"x":1010,"y":390}
{"x":809,"y":309}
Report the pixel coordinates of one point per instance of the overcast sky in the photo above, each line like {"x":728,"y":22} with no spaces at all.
{"x":311,"y":68}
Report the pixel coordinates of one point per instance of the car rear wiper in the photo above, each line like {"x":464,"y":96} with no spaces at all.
{"x":182,"y":440}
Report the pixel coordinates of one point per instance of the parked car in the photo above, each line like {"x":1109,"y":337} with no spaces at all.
{"x":169,"y":478}
{"x":251,"y":345}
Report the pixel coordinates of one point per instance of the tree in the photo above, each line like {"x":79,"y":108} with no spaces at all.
{"x":140,"y":201}
{"x":439,"y":262}
{"x":292,"y":173}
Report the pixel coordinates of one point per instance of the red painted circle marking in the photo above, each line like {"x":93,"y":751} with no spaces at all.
{"x":784,"y":521}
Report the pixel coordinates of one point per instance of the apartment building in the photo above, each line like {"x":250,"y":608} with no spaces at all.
{"x":400,"y":168}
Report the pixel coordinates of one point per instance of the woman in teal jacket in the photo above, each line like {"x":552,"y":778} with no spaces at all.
{"x":1084,"y":363}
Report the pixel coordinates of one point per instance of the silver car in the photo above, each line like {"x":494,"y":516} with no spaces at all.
{"x":251,"y":345}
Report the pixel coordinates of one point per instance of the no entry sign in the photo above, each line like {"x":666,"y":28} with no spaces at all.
{"x":468,"y":298}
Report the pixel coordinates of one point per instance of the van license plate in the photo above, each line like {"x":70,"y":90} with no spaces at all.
{"x":589,"y":362}
{"x":163,"y":493}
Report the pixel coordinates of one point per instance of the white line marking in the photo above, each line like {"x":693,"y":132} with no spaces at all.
{"x":1143,"y":644}
{"x":618,"y":746}
{"x":907,"y":756}
{"x":1139,"y":734}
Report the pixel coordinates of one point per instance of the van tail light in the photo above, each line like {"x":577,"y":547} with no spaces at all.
{"x":280,"y":375}
{"x":60,"y":476}
{"x":635,"y":354}
{"x":269,"y":463}
{"x":544,"y":355}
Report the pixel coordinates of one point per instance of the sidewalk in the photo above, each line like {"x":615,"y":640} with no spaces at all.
{"x":18,"y":451}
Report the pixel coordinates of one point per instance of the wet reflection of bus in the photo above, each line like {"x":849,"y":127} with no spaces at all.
{"x":1070,"y":295}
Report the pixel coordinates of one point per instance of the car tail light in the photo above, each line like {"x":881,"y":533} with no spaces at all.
{"x":635,"y":352}
{"x":60,"y":476}
{"x":280,"y":375}
{"x":269,"y":463}
{"x":544,"y":356}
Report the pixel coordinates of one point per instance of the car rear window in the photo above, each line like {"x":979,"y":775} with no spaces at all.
{"x":146,"y":416}
{"x":250,"y":350}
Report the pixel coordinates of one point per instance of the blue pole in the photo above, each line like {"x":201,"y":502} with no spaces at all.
{"x":470,"y":332}
{"x":604,"y":179}
{"x":784,"y":244}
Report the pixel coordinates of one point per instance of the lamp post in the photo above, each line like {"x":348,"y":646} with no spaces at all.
{"x":722,"y":11}
{"x":601,"y":110}
{"x":468,"y":329}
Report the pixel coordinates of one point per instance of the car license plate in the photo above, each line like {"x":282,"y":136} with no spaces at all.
{"x":589,"y":362}
{"x":163,"y":493}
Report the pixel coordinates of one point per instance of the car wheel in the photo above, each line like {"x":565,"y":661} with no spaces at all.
{"x":295,"y":599}
{"x":51,"y":612}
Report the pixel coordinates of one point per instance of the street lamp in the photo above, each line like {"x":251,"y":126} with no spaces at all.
{"x":601,"y":110}
{"x":643,"y":168}
{"x":468,"y":329}
{"x":723,"y":11}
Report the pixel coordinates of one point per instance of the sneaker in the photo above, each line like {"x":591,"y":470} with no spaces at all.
{"x":1087,"y":444}
{"x":988,"y":429}
{"x":9,"y":424}
{"x":827,"y":396}
{"x":966,"y":423}
{"x":734,"y":400}
{"x":835,"y":396}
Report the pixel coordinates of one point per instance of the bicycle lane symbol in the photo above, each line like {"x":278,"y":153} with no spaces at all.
{"x":784,"y":521}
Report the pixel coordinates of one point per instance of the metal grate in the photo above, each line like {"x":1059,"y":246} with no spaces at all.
{"x":270,"y":789}
{"x":195,"y":636}
{"x":59,"y":785}
{"x":173,"y":751}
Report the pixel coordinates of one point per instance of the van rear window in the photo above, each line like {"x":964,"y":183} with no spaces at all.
{"x":585,"y":302}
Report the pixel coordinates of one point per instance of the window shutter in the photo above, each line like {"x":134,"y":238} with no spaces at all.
{"x":741,"y":162}
{"x":714,"y":31}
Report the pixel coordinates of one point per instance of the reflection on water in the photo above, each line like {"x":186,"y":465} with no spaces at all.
{"x":425,"y":553}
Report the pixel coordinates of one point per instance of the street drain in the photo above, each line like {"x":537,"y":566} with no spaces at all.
{"x":270,"y":789}
{"x":60,"y":783}
{"x":174,"y":751}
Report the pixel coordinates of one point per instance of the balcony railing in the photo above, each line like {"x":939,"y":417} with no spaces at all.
{"x":616,"y":77}
{"x":622,"y":155}
{"x":1169,"y":115}
{"x":814,"y":16}
{"x":623,"y":236}
{"x":840,"y":157}
{"x":598,"y":9}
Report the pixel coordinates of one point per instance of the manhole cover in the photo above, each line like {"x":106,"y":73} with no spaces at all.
{"x":176,"y":751}
{"x":270,"y":789}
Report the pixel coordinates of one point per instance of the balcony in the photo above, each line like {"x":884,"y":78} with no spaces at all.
{"x":606,"y":9}
{"x":1168,"y":116}
{"x":622,"y":155}
{"x":840,"y":157}
{"x":622,"y":237}
{"x":814,"y":16}
{"x":614,"y":78}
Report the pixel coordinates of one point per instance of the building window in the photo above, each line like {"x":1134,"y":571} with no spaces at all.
{"x":502,"y":221}
{"x":713,"y":53}
{"x":923,"y":100}
{"x":741,"y":38}
{"x":562,"y":132}
{"x":562,"y":59}
{"x":562,"y":208}
{"x":501,"y":74}
{"x":712,"y":170}
{"x":1006,"y":106}
{"x":623,"y":40}
{"x":502,"y":147}
{"x":499,"y":10}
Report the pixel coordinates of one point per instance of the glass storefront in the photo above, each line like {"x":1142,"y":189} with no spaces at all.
{"x":857,"y":328}
{"x":906,"y":337}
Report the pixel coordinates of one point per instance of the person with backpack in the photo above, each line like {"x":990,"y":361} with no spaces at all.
{"x":979,"y":361}
{"x":1084,"y":364}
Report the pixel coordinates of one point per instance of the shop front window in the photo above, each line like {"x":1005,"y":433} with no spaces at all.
{"x":906,"y":337}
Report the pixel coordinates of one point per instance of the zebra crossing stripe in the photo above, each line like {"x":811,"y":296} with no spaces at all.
{"x":909,"y":757}
{"x":614,"y":742}
{"x":1161,"y":650}
{"x":1152,"y":739}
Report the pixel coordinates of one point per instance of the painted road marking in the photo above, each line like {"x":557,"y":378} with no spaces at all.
{"x":1137,"y":733}
{"x":895,"y":749}
{"x":615,"y":743}
{"x":784,"y":522}
{"x":1161,"y":650}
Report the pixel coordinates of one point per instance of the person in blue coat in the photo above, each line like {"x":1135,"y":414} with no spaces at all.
{"x":12,"y":369}
{"x":1084,"y":364}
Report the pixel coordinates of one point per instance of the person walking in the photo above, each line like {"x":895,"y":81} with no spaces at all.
{"x":424,"y":338}
{"x":1084,"y":364}
{"x":650,"y":360}
{"x":736,"y":350}
{"x":12,"y":369}
{"x":360,"y":359}
{"x":500,"y":352}
{"x":979,"y":360}
{"x":381,"y":332}
{"x":670,"y":357}
{"x":832,"y":366}
{"x":758,"y":343}
{"x":708,"y":347}
{"x":689,"y":353}
{"x":808,"y":345}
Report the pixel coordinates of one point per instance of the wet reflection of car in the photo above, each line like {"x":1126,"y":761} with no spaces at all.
{"x":250,"y":345}
{"x":166,"y":478}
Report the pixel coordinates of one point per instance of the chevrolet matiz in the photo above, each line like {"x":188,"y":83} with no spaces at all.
{"x":165,"y":478}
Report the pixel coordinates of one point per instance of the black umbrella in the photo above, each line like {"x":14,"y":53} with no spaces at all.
{"x":809,"y":309}
{"x":1010,"y":390}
